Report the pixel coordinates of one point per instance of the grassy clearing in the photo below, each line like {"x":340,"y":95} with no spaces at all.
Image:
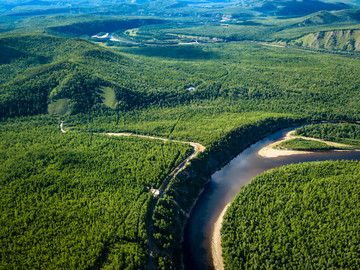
{"x":131,"y":32}
{"x":109,"y":97}
{"x":60,"y":107}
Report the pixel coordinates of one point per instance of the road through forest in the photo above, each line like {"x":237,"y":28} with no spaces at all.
{"x":198,"y":148}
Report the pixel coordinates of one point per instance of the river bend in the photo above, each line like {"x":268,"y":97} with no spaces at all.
{"x":223,"y":187}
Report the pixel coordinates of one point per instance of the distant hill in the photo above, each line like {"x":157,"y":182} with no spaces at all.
{"x":97,"y":26}
{"x":326,"y":17}
{"x":297,"y":8}
{"x":42,"y":73}
{"x":338,"y":40}
{"x":329,"y":30}
{"x":151,"y":7}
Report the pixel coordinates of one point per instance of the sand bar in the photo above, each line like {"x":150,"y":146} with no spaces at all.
{"x":269,"y":151}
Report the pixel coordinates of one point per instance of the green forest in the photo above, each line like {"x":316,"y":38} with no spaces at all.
{"x":223,"y":75}
{"x":336,"y":132}
{"x":303,"y":216}
{"x":304,"y":145}
{"x":77,"y":200}
{"x":41,"y":73}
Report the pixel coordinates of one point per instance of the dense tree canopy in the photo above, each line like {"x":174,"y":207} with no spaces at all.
{"x":77,"y":201}
{"x":303,"y":216}
{"x":336,"y":132}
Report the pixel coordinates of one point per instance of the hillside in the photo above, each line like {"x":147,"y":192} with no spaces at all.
{"x":94,"y":27}
{"x":336,"y":40}
{"x":63,"y":75}
{"x":41,"y":73}
{"x":331,"y":31}
{"x":297,"y":8}
{"x":326,"y":17}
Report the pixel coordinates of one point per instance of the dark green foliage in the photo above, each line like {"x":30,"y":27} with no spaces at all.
{"x":40,"y":70}
{"x":82,"y":88}
{"x":341,"y":132}
{"x":29,"y":95}
{"x":94,"y":27}
{"x":304,"y":145}
{"x":8,"y":54}
{"x":242,"y":92}
{"x":242,"y":77}
{"x":302,"y":216}
{"x":184,"y":52}
{"x":165,"y":225}
{"x":77,"y":201}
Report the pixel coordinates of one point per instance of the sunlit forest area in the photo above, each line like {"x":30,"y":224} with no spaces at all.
{"x":70,"y":200}
{"x":297,"y":216}
{"x":339,"y":132}
{"x":222,"y":75}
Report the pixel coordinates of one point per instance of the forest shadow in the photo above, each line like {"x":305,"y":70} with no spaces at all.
{"x":7,"y":54}
{"x":181,"y":52}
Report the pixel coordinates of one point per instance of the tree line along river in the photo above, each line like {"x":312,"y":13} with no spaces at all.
{"x":223,"y":187}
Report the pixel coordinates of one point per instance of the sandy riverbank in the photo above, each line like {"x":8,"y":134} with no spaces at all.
{"x":269,"y":151}
{"x":216,"y":251}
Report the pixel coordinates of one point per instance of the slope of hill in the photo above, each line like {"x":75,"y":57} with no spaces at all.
{"x":332,"y":31}
{"x":39,"y":70}
{"x":326,"y":17}
{"x":336,"y":40}
{"x":94,"y":27}
{"x":298,"y":8}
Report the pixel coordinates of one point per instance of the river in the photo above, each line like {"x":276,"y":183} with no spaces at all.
{"x":223,"y":187}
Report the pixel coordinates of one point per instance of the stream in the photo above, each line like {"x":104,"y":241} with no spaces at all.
{"x":223,"y":187}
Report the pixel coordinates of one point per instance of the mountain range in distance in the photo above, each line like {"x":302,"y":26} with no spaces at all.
{"x":147,"y":7}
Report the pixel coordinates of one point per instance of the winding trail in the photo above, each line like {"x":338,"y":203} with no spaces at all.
{"x":198,"y":148}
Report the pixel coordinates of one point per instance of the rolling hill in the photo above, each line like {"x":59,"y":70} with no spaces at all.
{"x":41,"y":72}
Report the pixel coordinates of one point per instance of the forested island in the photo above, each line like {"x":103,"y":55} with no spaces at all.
{"x":217,"y":75}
